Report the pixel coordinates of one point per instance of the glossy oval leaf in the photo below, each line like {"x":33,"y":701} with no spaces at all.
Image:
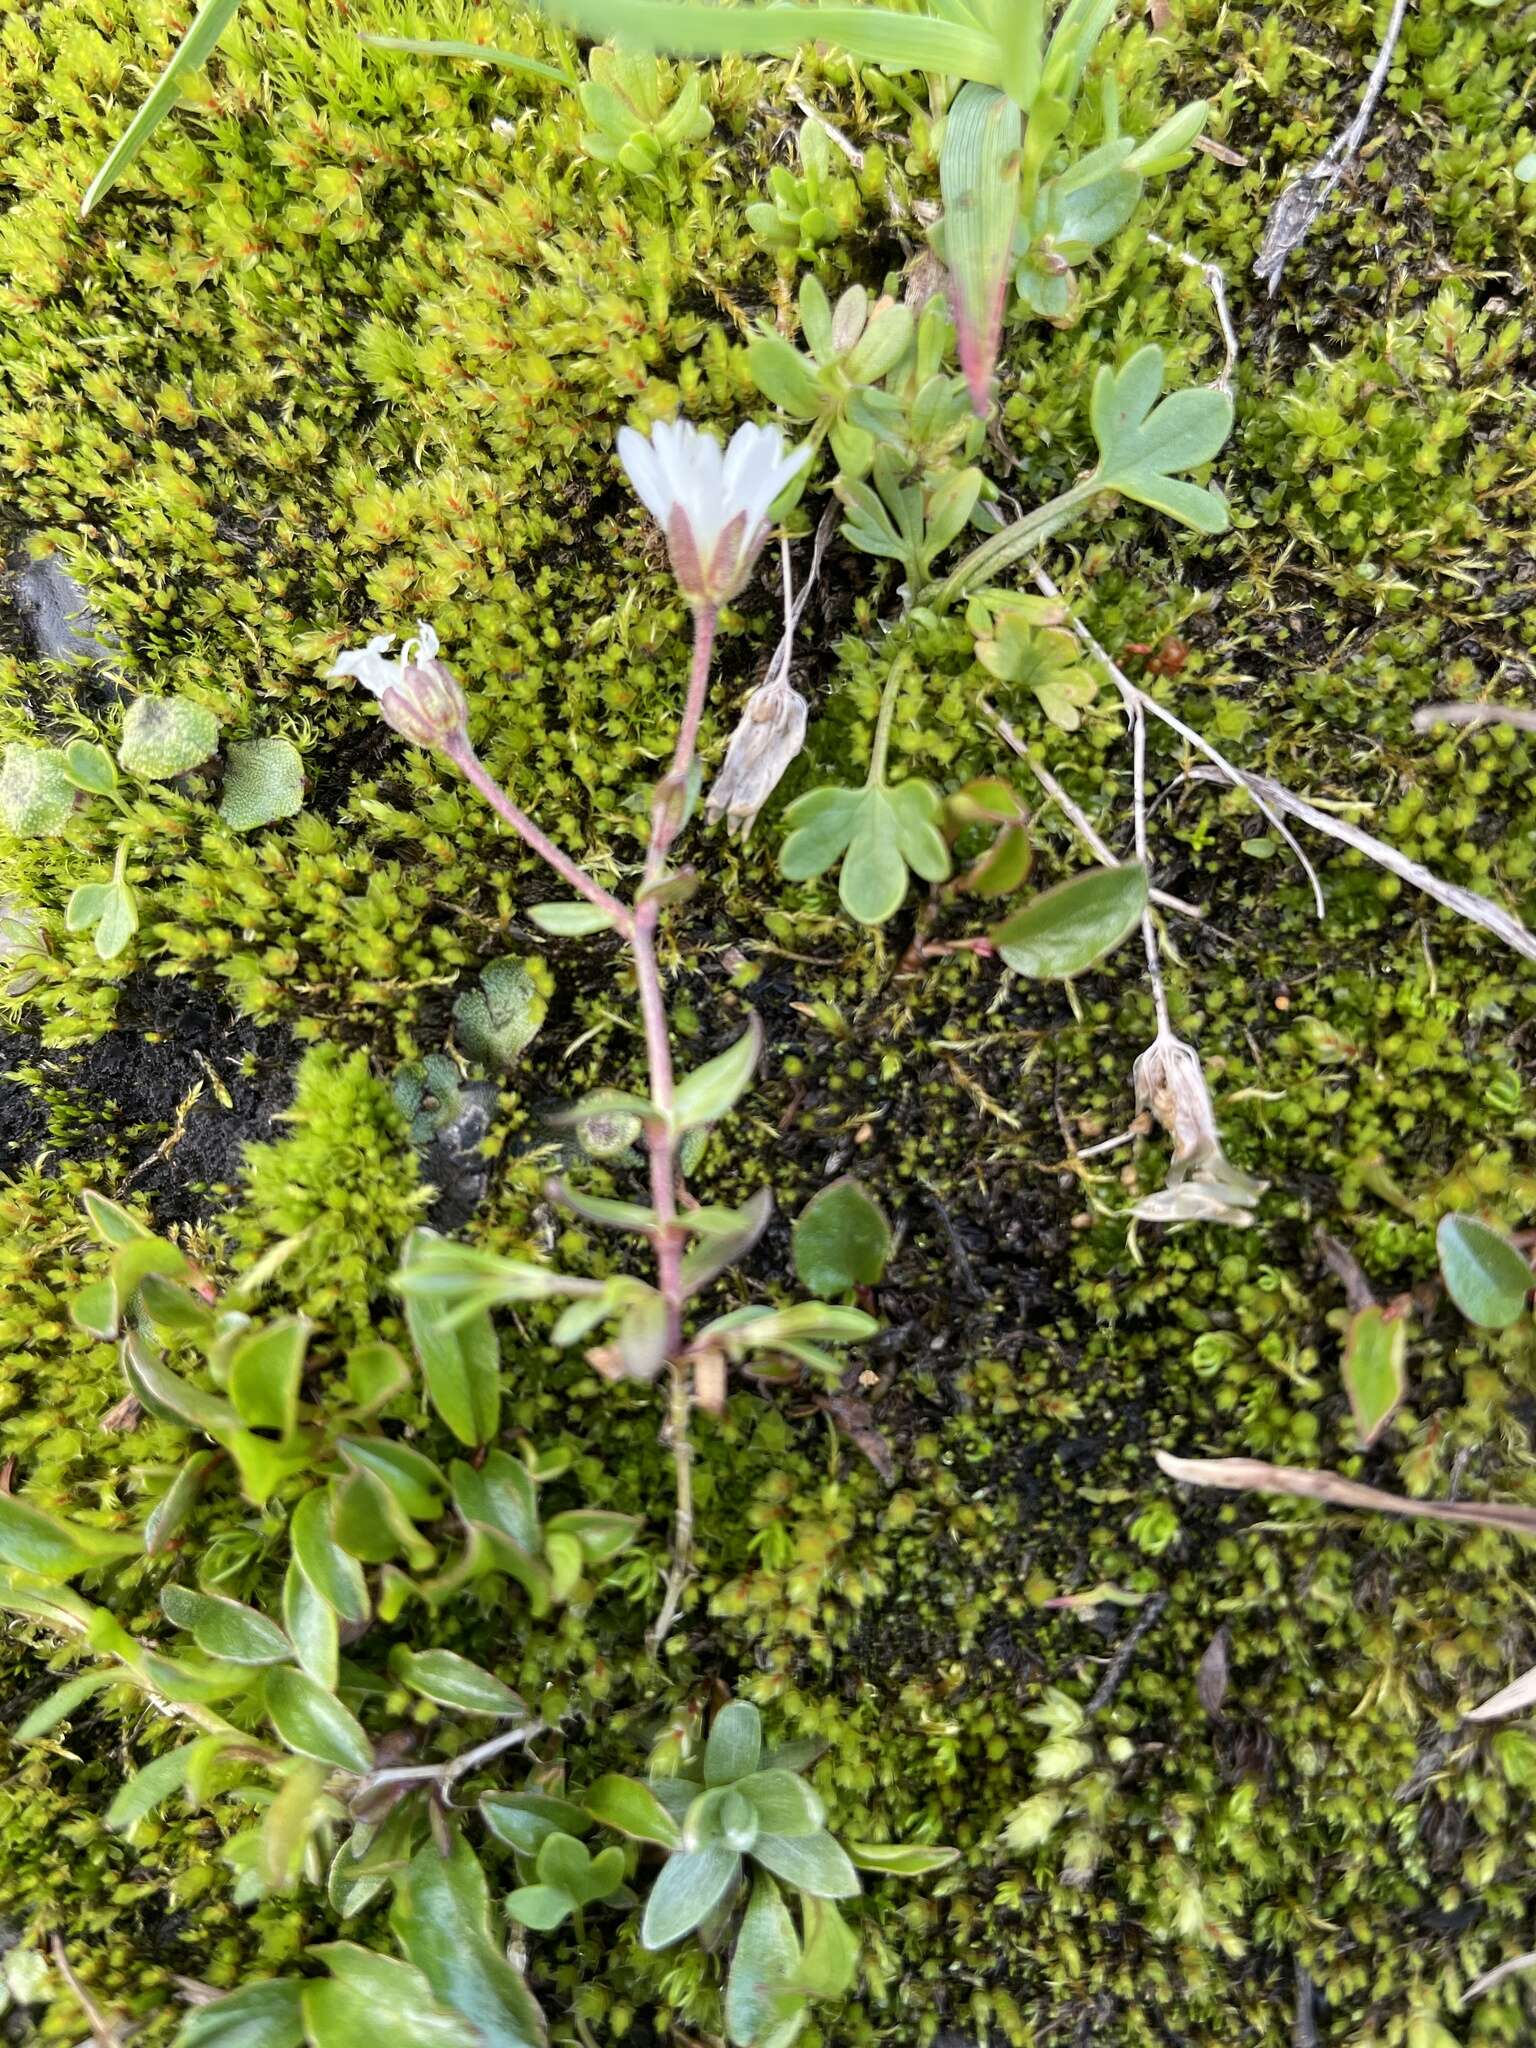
{"x":1070,"y":928}
{"x":841,"y":1239}
{"x":1486,"y":1275}
{"x":314,"y":1723}
{"x":226,"y":1629}
{"x":710,"y":1091}
{"x":453,"y":1681}
{"x":633,"y":1809}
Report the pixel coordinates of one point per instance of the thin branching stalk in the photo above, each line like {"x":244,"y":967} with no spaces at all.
{"x":638,"y":928}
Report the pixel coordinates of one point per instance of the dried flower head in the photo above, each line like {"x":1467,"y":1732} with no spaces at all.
{"x":768,"y":735}
{"x":1203,"y":1185}
{"x":711,"y":503}
{"x":417,"y":693}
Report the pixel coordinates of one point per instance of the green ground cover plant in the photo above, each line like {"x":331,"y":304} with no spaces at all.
{"x":428,"y":1608}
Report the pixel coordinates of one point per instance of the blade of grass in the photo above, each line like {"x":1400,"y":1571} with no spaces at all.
{"x":196,"y":46}
{"x":484,"y":53}
{"x":911,"y":42}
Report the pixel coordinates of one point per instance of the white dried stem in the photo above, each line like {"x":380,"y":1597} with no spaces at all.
{"x":1216,"y":284}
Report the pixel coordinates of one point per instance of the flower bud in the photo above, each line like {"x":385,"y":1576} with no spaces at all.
{"x":418,"y":694}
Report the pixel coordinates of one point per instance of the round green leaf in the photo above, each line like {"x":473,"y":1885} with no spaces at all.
{"x":841,"y":1239}
{"x":634,"y":1810}
{"x":1068,"y":929}
{"x":1486,"y":1276}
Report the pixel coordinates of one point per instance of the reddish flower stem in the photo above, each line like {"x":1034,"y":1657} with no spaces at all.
{"x":638,"y":927}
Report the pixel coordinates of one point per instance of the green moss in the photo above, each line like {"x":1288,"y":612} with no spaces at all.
{"x":344,"y":353}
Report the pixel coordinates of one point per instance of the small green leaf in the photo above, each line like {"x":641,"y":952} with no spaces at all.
{"x":540,"y":1906}
{"x":979,"y":181}
{"x":829,"y":1959}
{"x":710,"y":1091}
{"x":336,"y":1576}
{"x":569,"y":920}
{"x":811,"y":1863}
{"x":371,"y":1999}
{"x":460,"y":1358}
{"x":265,"y":2014}
{"x":226,"y":1629}
{"x":168,"y":1395}
{"x":783,"y":1802}
{"x":688,"y":1889}
{"x":31,"y":1541}
{"x":525,"y":1820}
{"x":899,"y":1859}
{"x":151,"y":1786}
{"x":314,"y":1723}
{"x":164,"y":737}
{"x":1142,"y":449}
{"x":735,"y":1743}
{"x":479,"y":53}
{"x":453,"y":1681}
{"x":841,"y":1239}
{"x":264,"y":1373}
{"x":1487,"y":1276}
{"x":1068,"y":929}
{"x":311,"y":1625}
{"x":90,"y":768}
{"x":760,"y":1992}
{"x":1374,"y":1370}
{"x":62,"y":1703}
{"x":633,"y":1809}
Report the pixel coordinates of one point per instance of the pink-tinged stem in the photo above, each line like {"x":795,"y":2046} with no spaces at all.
{"x":470,"y":766}
{"x":638,"y":926}
{"x":667,"y":811}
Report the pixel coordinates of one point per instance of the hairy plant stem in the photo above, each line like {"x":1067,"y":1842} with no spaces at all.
{"x":638,"y":926}
{"x":474,"y":771}
{"x":1003,"y":549}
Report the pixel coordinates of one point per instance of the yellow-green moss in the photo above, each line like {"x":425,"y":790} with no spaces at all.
{"x":342,"y":353}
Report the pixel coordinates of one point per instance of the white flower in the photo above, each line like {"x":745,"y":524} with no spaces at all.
{"x":711,"y":503}
{"x":417,"y":693}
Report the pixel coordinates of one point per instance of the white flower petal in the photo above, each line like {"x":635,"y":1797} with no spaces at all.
{"x":368,"y":666}
{"x":643,"y":468}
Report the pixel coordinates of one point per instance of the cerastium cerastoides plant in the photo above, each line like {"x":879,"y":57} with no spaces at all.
{"x":713,"y":504}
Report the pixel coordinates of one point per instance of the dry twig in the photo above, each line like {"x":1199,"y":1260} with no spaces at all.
{"x":1291,"y":216}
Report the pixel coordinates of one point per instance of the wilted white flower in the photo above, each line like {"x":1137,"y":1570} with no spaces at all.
{"x":769,"y":734}
{"x":711,"y":503}
{"x":417,"y":693}
{"x":1203,"y":1184}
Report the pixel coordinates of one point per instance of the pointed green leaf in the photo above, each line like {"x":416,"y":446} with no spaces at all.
{"x":31,"y":1541}
{"x":1374,"y":1370}
{"x":460,"y":1359}
{"x":371,"y":1999}
{"x":633,"y":1809}
{"x":453,"y":1681}
{"x":735,"y":1743}
{"x":710,"y":1091}
{"x":334,"y":1575}
{"x":687,"y":1890}
{"x":194,"y":49}
{"x":841,"y":1239}
{"x":314,"y":1723}
{"x":441,"y":1918}
{"x":226,"y":1629}
{"x":811,"y":1863}
{"x":264,"y":1373}
{"x":900,"y":1859}
{"x":265,"y":2014}
{"x":979,"y":181}
{"x":61,"y":1703}
{"x":765,"y":1964}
